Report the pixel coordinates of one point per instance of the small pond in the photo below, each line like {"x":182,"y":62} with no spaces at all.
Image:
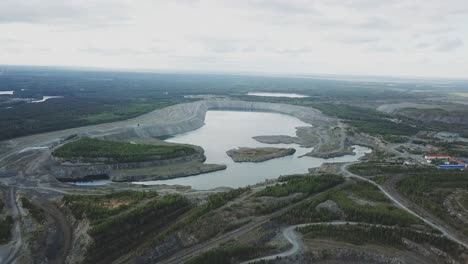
{"x":45,"y":98}
{"x":290,"y":95}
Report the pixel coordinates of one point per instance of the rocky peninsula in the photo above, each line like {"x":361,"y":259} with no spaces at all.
{"x":258,"y":154}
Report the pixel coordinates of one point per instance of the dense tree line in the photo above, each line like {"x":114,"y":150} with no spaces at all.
{"x":307,"y":184}
{"x":92,"y":97}
{"x":379,"y":213}
{"x":385,"y":214}
{"x":35,"y":212}
{"x":6,"y":224}
{"x":230,"y":255}
{"x":215,"y":201}
{"x":97,"y":208}
{"x":431,"y":190}
{"x":366,"y":191}
{"x":375,"y":168}
{"x":115,"y":151}
{"x":388,"y":236}
{"x":121,"y":232}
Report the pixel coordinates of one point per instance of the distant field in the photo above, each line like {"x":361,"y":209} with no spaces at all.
{"x":113,"y":151}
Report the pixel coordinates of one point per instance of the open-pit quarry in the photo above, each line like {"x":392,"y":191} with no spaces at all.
{"x":324,"y":137}
{"x":195,"y":209}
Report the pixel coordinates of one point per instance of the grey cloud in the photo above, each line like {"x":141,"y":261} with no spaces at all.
{"x":381,"y":49}
{"x":422,"y":45}
{"x":285,"y":6}
{"x":449,"y":45}
{"x":221,"y":45}
{"x":355,"y":39}
{"x":278,"y":7}
{"x":123,"y":51}
{"x":360,"y":3}
{"x":377,"y":23}
{"x":60,"y":11}
{"x":293,"y":50}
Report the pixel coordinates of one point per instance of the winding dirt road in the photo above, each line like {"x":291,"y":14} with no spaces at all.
{"x":447,"y":233}
{"x":294,"y":238}
{"x":188,"y":253}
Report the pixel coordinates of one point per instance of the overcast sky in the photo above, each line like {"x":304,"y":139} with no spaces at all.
{"x":368,"y":37}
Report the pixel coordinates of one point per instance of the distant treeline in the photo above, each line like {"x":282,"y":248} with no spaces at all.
{"x":92,"y":97}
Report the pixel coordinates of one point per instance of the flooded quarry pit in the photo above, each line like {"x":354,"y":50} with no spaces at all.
{"x":268,"y":140}
{"x":226,"y":129}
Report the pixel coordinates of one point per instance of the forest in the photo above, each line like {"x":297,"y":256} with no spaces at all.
{"x":380,"y":235}
{"x":114,"y":151}
{"x":307,"y":184}
{"x":376,"y":210}
{"x":229,"y":255}
{"x":92,"y":97}
{"x":430,"y":191}
{"x":119,"y":220}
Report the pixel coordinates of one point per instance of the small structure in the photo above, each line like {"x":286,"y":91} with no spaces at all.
{"x":431,"y":157}
{"x":452,"y":166}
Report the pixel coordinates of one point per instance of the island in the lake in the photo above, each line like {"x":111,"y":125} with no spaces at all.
{"x":258,"y":154}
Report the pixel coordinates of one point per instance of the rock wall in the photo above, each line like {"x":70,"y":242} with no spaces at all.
{"x":190,"y":116}
{"x":80,"y":171}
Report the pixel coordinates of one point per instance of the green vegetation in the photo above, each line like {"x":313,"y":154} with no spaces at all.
{"x":430,"y":190}
{"x":99,"y":208}
{"x":395,"y":139}
{"x":464,"y":200}
{"x":88,"y":98}
{"x":114,"y":151}
{"x":387,"y":236}
{"x":385,"y":214}
{"x":307,"y":184}
{"x":427,"y":187}
{"x":119,"y":220}
{"x":381,"y":179}
{"x":121,"y":232}
{"x":456,"y":148}
{"x":125,"y":112}
{"x":6,"y":224}
{"x":229,"y":255}
{"x":369,"y":121}
{"x":367,"y":191}
{"x":378,"y":210}
{"x":36,"y":213}
{"x":381,"y":168}
{"x":154,"y":209}
{"x":306,"y":212}
{"x":449,"y":117}
{"x":215,"y":201}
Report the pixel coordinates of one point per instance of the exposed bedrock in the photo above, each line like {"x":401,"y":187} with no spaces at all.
{"x":190,"y":116}
{"x":258,"y":154}
{"x":165,"y":122}
{"x":70,"y":171}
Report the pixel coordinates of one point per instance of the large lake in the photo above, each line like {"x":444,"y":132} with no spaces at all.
{"x":224,"y":130}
